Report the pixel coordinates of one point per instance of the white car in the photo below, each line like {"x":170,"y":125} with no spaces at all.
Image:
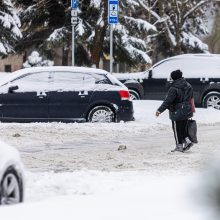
{"x":11,"y":176}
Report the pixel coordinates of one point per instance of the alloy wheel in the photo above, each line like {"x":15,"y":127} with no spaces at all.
{"x":101,"y":114}
{"x":214,"y":102}
{"x":10,"y":190}
{"x":134,"y":95}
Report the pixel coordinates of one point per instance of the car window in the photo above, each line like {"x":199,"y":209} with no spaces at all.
{"x":32,"y":82}
{"x":164,"y":69}
{"x":101,"y":79}
{"x":70,"y":81}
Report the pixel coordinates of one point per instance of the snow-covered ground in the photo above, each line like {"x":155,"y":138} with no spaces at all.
{"x":102,"y":195}
{"x":68,"y":147}
{"x":75,"y":171}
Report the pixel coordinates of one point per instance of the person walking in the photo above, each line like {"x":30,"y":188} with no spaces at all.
{"x":179,"y":102}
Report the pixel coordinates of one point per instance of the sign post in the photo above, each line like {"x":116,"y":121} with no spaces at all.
{"x":112,"y":19}
{"x":74,"y":21}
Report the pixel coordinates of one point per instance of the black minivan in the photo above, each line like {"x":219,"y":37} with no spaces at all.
{"x":63,"y":94}
{"x":202,"y":71}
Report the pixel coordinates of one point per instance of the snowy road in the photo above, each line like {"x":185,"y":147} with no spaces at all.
{"x":66,"y":147}
{"x":150,"y":176}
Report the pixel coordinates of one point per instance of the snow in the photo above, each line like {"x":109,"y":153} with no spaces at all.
{"x":66,"y":79}
{"x":98,"y":189}
{"x":57,"y":35}
{"x":134,"y":52}
{"x":9,"y":156}
{"x":192,"y":65}
{"x":194,"y":42}
{"x":142,"y":24}
{"x":19,"y":73}
{"x":95,"y":3}
{"x":2,"y":48}
{"x":10,"y":23}
{"x":132,"y":3}
{"x":131,"y":76}
{"x":80,"y":28}
{"x":98,"y":195}
{"x":35,"y":60}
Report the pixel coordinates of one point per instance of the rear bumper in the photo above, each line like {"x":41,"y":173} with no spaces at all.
{"x":125,"y":111}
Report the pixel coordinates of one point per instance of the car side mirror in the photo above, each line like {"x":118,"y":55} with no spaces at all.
{"x":12,"y":89}
{"x":150,"y":74}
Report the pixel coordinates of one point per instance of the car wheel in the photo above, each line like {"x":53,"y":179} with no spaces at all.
{"x":11,"y":190}
{"x":101,"y":114}
{"x":212,"y":100}
{"x":134,"y":95}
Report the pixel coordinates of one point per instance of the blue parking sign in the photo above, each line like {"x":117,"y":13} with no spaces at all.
{"x":112,"y":11}
{"x":74,"y":4}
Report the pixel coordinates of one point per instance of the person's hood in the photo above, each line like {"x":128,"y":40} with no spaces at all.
{"x":180,"y":84}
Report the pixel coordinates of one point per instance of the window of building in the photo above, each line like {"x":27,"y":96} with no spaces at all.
{"x":7,"y":68}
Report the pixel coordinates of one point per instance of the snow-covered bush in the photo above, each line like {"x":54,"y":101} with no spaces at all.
{"x":36,"y":60}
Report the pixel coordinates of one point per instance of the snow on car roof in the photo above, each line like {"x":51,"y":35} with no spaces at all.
{"x":21,"y":72}
{"x":199,"y":55}
{"x":61,"y":68}
{"x":198,"y":65}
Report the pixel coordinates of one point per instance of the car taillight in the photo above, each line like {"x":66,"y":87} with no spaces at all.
{"x":124,"y":95}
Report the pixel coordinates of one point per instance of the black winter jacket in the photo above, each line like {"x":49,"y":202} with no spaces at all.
{"x":179,"y":91}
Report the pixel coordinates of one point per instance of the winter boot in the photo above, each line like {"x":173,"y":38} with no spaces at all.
{"x":179,"y":147}
{"x":188,"y":144}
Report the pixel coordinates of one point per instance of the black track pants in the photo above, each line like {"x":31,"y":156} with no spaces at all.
{"x":180,"y":131}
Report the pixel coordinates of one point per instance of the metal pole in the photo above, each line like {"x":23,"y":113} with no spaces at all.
{"x":73,"y":45}
{"x":111,"y":48}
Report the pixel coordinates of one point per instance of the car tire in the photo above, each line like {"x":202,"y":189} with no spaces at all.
{"x":134,"y":95}
{"x":212,"y":99}
{"x":11,"y":188}
{"x":101,"y":114}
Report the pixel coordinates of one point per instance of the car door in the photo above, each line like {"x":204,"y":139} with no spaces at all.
{"x":156,"y":85}
{"x":69,"y":95}
{"x":28,"y":100}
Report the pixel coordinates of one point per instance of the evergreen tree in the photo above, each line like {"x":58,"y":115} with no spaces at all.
{"x":147,"y":29}
{"x":39,"y":19}
{"x":47,"y":24}
{"x":180,"y":24}
{"x":9,"y":27}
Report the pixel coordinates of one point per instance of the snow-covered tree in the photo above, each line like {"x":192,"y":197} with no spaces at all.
{"x":134,"y":34}
{"x":9,"y":27}
{"x":46,"y":24}
{"x":131,"y":41}
{"x":180,"y":24}
{"x":36,"y":60}
{"x":131,"y":36}
{"x":147,"y":29}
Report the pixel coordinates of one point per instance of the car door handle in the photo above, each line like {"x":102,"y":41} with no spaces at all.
{"x":83,"y":93}
{"x":204,"y":80}
{"x":41,"y":96}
